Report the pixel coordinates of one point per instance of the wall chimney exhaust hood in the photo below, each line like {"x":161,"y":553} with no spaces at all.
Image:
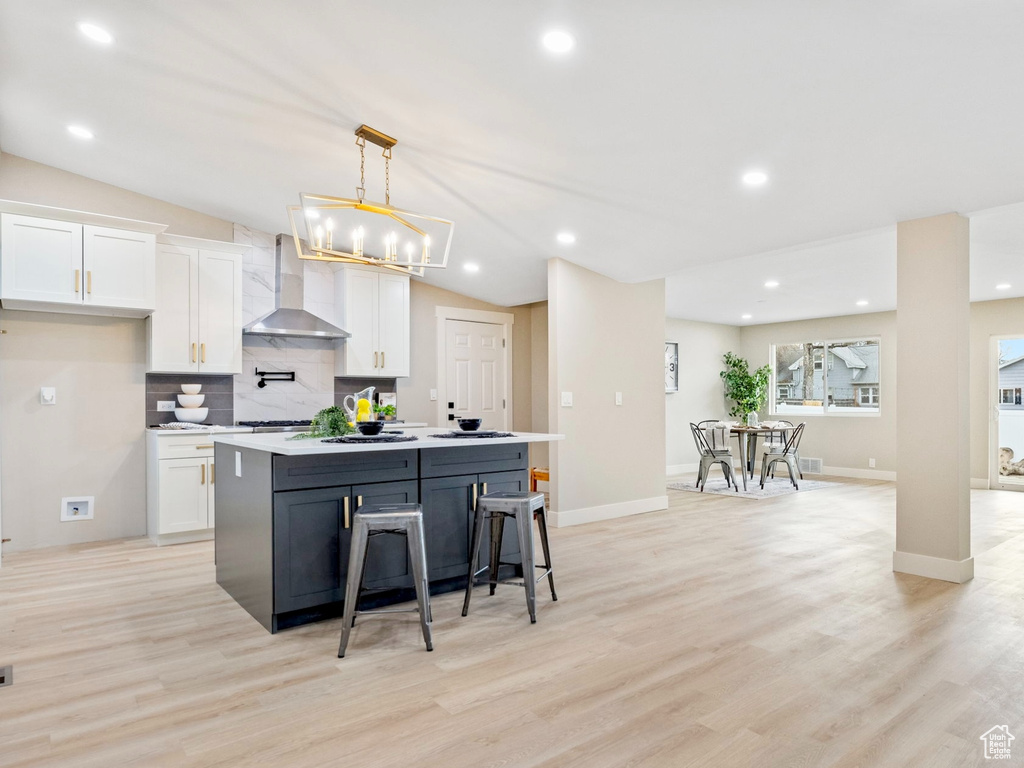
{"x":288,"y":317}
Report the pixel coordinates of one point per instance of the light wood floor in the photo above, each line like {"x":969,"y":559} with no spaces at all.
{"x":722,"y":632}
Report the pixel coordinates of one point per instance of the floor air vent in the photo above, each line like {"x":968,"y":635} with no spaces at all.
{"x":6,"y":675}
{"x":813,"y":466}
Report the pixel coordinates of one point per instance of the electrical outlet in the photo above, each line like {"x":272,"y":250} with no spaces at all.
{"x":871,"y":463}
{"x":165,"y":405}
{"x":618,"y":398}
{"x":48,"y":395}
{"x":567,"y":399}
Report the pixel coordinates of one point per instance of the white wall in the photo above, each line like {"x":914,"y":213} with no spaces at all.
{"x":701,"y":392}
{"x":606,"y":337}
{"x":845,"y":442}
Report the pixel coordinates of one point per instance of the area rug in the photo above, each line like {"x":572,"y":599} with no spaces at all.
{"x":780,"y":486}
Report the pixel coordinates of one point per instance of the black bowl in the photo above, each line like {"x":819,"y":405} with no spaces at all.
{"x":470,"y":425}
{"x":370,"y":427}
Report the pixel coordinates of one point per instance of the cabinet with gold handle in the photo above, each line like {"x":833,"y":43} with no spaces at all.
{"x":345,"y":505}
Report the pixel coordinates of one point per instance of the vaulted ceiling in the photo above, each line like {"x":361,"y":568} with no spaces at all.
{"x":862,"y":114}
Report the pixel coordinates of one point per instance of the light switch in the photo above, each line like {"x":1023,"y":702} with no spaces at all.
{"x":48,"y":395}
{"x":618,"y":398}
{"x":433,"y":394}
{"x":567,"y":399}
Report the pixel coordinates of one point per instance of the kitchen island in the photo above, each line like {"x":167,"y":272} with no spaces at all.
{"x":285,"y":506}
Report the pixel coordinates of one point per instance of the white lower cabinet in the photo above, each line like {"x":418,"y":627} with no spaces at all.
{"x":181,"y":480}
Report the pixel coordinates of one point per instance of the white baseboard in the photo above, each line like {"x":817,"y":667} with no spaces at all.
{"x":980,"y":483}
{"x":681,"y":469}
{"x":608,"y":511}
{"x":860,"y":474}
{"x":957,"y":571}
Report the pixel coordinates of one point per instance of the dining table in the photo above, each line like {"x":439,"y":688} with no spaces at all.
{"x":747,"y":438}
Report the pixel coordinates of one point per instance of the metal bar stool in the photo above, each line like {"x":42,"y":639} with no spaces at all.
{"x":374,"y":520}
{"x":525,"y":508}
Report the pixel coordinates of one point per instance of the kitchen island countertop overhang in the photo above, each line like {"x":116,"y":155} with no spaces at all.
{"x":285,"y":444}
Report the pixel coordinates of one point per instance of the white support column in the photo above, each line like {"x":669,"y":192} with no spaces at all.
{"x":933,"y":507}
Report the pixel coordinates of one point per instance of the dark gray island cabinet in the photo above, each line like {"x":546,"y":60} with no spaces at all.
{"x":284,"y":521}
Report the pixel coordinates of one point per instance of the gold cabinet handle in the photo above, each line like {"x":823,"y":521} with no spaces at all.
{"x":205,"y":447}
{"x":474,"y":497}
{"x":202,"y":474}
{"x":213,"y":473}
{"x":88,"y":281}
{"x":374,"y":359}
{"x":359,"y":501}
{"x":485,"y":489}
{"x":193,"y":351}
{"x":382,"y":359}
{"x":202,"y":353}
{"x":344,"y":504}
{"x":78,"y":280}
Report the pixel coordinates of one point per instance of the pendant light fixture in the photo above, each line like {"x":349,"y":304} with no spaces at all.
{"x":364,"y":232}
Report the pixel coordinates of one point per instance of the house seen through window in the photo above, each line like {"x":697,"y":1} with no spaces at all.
{"x":844,"y":377}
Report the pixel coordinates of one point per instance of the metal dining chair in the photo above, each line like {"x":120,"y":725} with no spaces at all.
{"x":717,"y":436}
{"x":778,"y":437}
{"x":709,"y":457}
{"x":789,"y":455}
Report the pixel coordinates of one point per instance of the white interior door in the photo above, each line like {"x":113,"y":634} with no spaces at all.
{"x":1007,"y":415}
{"x":475,"y":360}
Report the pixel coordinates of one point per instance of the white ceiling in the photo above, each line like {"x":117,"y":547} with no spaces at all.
{"x":863,"y":114}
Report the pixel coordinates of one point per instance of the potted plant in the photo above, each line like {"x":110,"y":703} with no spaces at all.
{"x":749,"y":391}
{"x":385,"y":412}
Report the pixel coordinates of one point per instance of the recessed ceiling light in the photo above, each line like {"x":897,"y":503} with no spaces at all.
{"x":94,"y":33}
{"x":755,"y":178}
{"x":80,"y":132}
{"x":772,"y":284}
{"x":566,"y":238}
{"x":470,"y":267}
{"x":558,"y":41}
{"x":1003,"y":287}
{"x":745,"y":317}
{"x":862,"y":303}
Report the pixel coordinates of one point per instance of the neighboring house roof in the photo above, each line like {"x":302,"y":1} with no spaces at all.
{"x":1008,"y":363}
{"x":863,"y":361}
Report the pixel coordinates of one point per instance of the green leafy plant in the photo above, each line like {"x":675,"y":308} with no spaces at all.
{"x":748,"y":390}
{"x":385,"y":410}
{"x":330,"y":422}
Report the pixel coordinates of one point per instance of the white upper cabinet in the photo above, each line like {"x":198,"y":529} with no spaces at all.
{"x":120,"y":268}
{"x":372,"y":305}
{"x":41,"y":260}
{"x":197,"y":324}
{"x":62,"y":266}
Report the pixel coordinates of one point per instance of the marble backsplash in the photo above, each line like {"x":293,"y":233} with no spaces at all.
{"x":312,"y":360}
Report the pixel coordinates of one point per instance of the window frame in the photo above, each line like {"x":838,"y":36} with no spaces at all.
{"x":868,"y":412}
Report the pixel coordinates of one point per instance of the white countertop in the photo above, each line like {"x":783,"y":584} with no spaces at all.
{"x":278,"y":442}
{"x":204,"y":431}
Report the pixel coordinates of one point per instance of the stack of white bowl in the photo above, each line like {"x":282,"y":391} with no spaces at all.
{"x":190,"y":403}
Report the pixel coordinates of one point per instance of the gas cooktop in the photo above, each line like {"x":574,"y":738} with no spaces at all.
{"x":276,"y":426}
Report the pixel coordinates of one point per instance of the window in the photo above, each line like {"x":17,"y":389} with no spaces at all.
{"x":1009,"y":396}
{"x":843,"y":377}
